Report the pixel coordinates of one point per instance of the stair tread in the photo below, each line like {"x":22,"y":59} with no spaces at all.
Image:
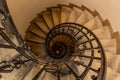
{"x":65,"y":13}
{"x":34,"y":29}
{"x":102,"y":33}
{"x":84,"y":18}
{"x":48,"y":76}
{"x":75,"y":13}
{"x":56,"y":13}
{"x":115,"y":63}
{"x":48,"y":18}
{"x":38,"y":49}
{"x":93,"y":24}
{"x":33,"y":72}
{"x":34,"y":38}
{"x":111,"y":75}
{"x":40,"y":22}
{"x":67,"y":77}
{"x":109,"y":45}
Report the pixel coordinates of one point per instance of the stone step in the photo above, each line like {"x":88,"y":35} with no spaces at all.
{"x":35,"y":69}
{"x":75,"y":13}
{"x":65,"y":13}
{"x":93,"y":24}
{"x":102,"y":33}
{"x":38,"y":49}
{"x":56,"y":15}
{"x":71,"y":77}
{"x":48,"y":76}
{"x":41,"y":23}
{"x":112,"y":75}
{"x":67,"y":77}
{"x":84,"y":18}
{"x":34,"y":38}
{"x":41,"y":77}
{"x":47,"y":16}
{"x":115,"y":63}
{"x":109,"y":45}
{"x":36,"y":30}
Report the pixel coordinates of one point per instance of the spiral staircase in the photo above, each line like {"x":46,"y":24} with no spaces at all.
{"x":65,"y":42}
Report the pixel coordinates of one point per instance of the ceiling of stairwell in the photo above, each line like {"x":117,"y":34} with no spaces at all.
{"x":23,"y":11}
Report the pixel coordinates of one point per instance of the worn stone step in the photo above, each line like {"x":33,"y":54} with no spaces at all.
{"x":35,"y":69}
{"x":38,"y":49}
{"x":112,"y":75}
{"x":115,"y":63}
{"x":65,"y":13}
{"x":47,"y":16}
{"x":109,"y":45}
{"x":56,"y":15}
{"x":93,"y":24}
{"x":84,"y":18}
{"x":41,"y":23}
{"x":48,"y":76}
{"x":36,"y":30}
{"x":67,"y":77}
{"x":102,"y":33}
{"x":75,"y":13}
{"x":34,"y":38}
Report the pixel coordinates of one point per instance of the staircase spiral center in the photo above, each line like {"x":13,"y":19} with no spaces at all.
{"x":59,"y":45}
{"x":59,"y":50}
